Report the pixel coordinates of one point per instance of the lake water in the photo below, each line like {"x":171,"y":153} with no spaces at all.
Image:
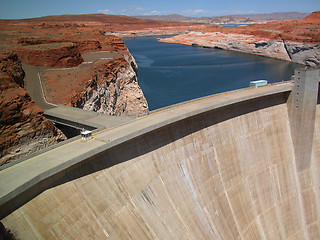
{"x":173,"y":73}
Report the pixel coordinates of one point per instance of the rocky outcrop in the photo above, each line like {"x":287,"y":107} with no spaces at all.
{"x":304,"y":53}
{"x":11,"y":72}
{"x":59,"y":54}
{"x":23,"y":128}
{"x":113,"y":89}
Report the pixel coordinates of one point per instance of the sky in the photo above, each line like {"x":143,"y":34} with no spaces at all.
{"x":17,"y":9}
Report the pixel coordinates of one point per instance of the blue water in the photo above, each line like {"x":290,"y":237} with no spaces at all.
{"x":173,"y":73}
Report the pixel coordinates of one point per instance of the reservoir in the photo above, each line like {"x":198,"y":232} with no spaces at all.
{"x":173,"y":73}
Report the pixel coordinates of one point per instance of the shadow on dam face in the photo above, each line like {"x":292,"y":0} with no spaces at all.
{"x":224,"y":174}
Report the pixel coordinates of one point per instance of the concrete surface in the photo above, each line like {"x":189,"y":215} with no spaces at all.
{"x":80,"y":118}
{"x":33,"y":85}
{"x":302,"y":111}
{"x":221,"y":167}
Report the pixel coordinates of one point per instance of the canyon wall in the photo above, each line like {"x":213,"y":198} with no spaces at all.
{"x":23,"y":127}
{"x":113,"y":89}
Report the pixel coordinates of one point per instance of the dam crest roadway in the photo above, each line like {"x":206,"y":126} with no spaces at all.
{"x":227,"y":166}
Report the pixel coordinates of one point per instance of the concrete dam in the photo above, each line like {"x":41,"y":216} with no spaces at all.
{"x":239,"y":165}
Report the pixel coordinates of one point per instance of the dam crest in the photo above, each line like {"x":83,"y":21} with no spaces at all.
{"x":239,"y":165}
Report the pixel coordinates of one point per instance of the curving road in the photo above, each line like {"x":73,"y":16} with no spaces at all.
{"x":33,"y":82}
{"x":33,"y":85}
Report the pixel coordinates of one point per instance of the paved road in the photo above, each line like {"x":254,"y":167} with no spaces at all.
{"x":77,"y":116}
{"x":33,"y":86}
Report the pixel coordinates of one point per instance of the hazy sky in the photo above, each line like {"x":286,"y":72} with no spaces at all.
{"x":36,"y":8}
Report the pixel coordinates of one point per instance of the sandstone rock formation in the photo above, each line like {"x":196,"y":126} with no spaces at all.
{"x":23,"y":127}
{"x":65,"y":54}
{"x":304,"y":53}
{"x":292,"y":40}
{"x":113,"y":89}
{"x":235,"y":42}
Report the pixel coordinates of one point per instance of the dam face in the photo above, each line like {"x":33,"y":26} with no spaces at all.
{"x":226,"y":173}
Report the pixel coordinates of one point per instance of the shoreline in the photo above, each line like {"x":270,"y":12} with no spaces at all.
{"x":302,"y":53}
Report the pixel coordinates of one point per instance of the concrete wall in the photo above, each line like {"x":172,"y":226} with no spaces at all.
{"x":229,"y":173}
{"x":302,"y":110}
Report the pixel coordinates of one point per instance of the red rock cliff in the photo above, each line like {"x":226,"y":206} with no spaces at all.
{"x":113,"y":89}
{"x":23,"y":127}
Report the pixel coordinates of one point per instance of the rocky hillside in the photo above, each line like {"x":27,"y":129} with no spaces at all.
{"x":113,"y":89}
{"x":23,"y":127}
